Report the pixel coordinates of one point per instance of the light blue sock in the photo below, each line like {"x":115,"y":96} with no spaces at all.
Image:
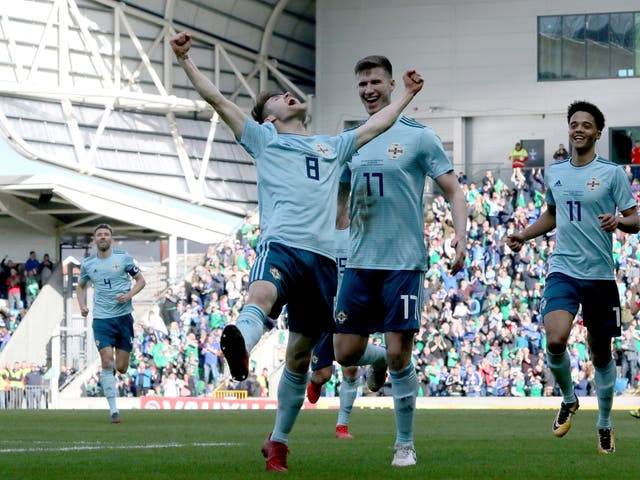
{"x":348,"y":393}
{"x":290,"y":397}
{"x":605,"y":387}
{"x":374,"y":355}
{"x":404,"y":387}
{"x":250,"y":322}
{"x":560,"y":366}
{"x":108,"y":381}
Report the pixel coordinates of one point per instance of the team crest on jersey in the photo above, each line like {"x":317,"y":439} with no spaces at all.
{"x":322,"y":149}
{"x":395,"y":151}
{"x":275,"y":273}
{"x":593,"y":184}
{"x":341,"y":317}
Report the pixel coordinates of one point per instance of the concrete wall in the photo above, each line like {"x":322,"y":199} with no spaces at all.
{"x":479,"y":59}
{"x":18,"y":239}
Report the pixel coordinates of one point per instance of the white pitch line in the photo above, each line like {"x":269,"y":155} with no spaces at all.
{"x":116,"y":447}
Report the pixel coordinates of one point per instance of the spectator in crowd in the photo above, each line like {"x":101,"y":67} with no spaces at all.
{"x":561,"y":153}
{"x":518,"y":156}
{"x":46,"y":269}
{"x":32,"y":264}
{"x":628,"y":355}
{"x":635,"y":160}
{"x":211,"y":352}
{"x":33,"y":385}
{"x":5,"y":273}
{"x":32,"y":287}
{"x":14,"y":287}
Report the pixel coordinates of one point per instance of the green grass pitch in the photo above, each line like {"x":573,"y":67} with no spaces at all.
{"x":221,"y":445}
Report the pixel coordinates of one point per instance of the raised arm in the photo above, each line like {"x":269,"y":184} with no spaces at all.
{"x":383,"y":119}
{"x":228,"y":111}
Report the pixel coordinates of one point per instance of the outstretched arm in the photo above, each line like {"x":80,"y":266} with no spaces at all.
{"x":383,"y":119}
{"x":228,"y":111}
{"x":544,"y":224}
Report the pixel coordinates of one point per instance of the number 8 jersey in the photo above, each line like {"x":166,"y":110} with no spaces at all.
{"x":297,"y":184}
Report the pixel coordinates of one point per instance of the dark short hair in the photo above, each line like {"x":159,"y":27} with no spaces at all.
{"x":373,"y":61}
{"x":258,"y":109}
{"x":583,"y":106}
{"x":103,"y":225}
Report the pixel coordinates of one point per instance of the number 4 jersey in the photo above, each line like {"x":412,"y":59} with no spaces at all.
{"x":110,"y":276}
{"x":580,"y":194}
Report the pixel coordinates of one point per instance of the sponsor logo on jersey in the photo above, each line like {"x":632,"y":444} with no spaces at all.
{"x":395,"y":151}
{"x":557,"y":184}
{"x":341,"y":317}
{"x":593,"y":184}
{"x":543,"y":303}
{"x":98,"y":344}
{"x":275,"y":273}
{"x":314,"y":359}
{"x":116,"y":267}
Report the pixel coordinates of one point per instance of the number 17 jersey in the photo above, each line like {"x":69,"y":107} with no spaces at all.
{"x":387,"y":177}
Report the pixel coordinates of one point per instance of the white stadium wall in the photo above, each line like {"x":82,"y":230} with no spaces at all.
{"x":18,"y":239}
{"x":479,"y":60}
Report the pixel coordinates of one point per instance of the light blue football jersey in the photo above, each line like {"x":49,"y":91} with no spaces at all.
{"x":297,"y":184}
{"x":387,"y":177}
{"x":110,"y":276}
{"x":580,"y":194}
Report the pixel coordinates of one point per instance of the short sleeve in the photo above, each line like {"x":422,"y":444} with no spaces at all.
{"x":256,"y":137}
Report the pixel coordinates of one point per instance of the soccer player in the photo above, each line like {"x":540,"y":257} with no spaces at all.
{"x":297,"y":173}
{"x":382,"y":286}
{"x":110,"y":271}
{"x":588,"y":198}
{"x":323,"y":354}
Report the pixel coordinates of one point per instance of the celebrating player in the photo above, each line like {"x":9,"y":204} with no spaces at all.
{"x":588,"y":198}
{"x":297,"y":173}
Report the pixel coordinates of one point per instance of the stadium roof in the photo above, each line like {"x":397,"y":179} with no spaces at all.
{"x":92,"y":87}
{"x":69,"y":205}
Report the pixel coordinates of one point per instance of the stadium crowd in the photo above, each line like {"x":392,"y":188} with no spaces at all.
{"x":481,"y":332}
{"x":20,"y":284}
